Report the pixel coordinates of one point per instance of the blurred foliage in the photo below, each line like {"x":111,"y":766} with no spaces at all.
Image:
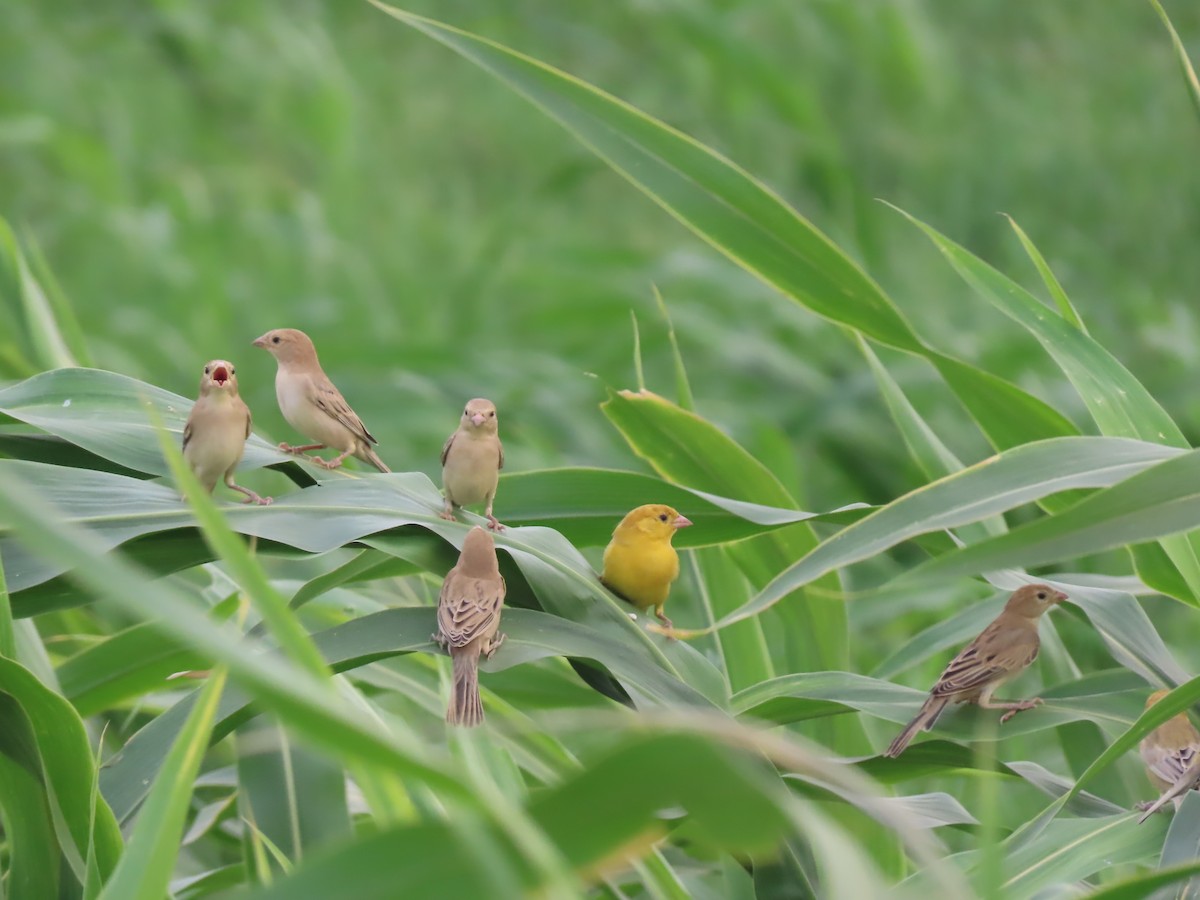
{"x":181,"y":176}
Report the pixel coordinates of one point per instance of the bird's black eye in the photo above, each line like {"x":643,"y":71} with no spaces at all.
{"x":232,"y":370}
{"x":466,"y":412}
{"x":275,"y":340}
{"x":663,"y":517}
{"x":1041,"y":595}
{"x":492,"y":413}
{"x":206,"y":369}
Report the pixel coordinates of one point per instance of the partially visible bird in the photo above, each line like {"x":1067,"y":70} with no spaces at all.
{"x":639,"y":562}
{"x":214,"y":437}
{"x":1171,"y":753}
{"x":472,"y":459}
{"x":312,"y":405}
{"x":1004,"y":649}
{"x":468,"y":618}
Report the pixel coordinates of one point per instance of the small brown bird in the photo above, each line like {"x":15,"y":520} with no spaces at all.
{"x":471,"y":461}
{"x":312,"y":405}
{"x":1005,"y":648}
{"x":468,"y":619}
{"x":639,"y":562}
{"x":1171,"y":753}
{"x":216,"y":430}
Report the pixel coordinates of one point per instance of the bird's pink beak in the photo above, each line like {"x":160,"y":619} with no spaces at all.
{"x":477,"y":419}
{"x":259,"y":341}
{"x":1059,"y":596}
{"x":681,"y":522}
{"x":220,"y":375}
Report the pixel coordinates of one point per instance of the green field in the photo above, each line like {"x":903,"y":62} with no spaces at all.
{"x":180,"y":177}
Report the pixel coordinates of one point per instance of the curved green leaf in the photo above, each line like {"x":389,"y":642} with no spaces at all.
{"x":1002,"y":482}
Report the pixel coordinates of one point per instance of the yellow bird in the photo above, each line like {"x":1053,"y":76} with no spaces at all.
{"x":1171,"y":753}
{"x":639,"y":562}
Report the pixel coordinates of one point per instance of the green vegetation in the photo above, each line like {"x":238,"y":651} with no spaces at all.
{"x":180,"y":177}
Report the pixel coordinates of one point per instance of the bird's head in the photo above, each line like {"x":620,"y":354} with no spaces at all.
{"x":1032,"y":600}
{"x":287,"y":345}
{"x":478,"y":556}
{"x":1155,"y":697}
{"x":480,"y":415}
{"x":656,"y":520}
{"x":219,"y":375}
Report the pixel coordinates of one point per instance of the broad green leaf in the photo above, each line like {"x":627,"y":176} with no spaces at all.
{"x":297,"y":798}
{"x":61,"y":757}
{"x":1150,"y":504}
{"x":113,"y":416}
{"x":145,"y":870}
{"x":33,"y":854}
{"x":1108,"y":699}
{"x":531,"y":636}
{"x":1145,"y":884}
{"x":730,"y":803}
{"x":40,"y":318}
{"x":124,"y":666}
{"x":743,"y":219}
{"x":1003,"y":482}
{"x":298,"y":697}
{"x":1118,"y":402}
{"x":585,"y":505}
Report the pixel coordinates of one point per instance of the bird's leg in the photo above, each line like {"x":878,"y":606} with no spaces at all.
{"x":251,"y":497}
{"x":331,"y":463}
{"x":288,"y":448}
{"x":1013,"y":706}
{"x":662,"y":617}
{"x":447,"y":512}
{"x":491,"y":646}
{"x":493,"y":522}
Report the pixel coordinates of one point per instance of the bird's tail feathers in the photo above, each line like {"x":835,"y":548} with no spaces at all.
{"x":923,"y":721}
{"x":465,"y":707}
{"x":366,"y":454}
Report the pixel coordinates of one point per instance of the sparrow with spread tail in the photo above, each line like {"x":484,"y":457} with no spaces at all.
{"x":1004,"y":649}
{"x":468,"y":621}
{"x":216,"y":430}
{"x":312,"y":405}
{"x":1171,"y":753}
{"x":471,"y":461}
{"x":640,"y":564}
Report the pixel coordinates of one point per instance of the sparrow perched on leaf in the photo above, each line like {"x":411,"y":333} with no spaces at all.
{"x":471,"y":461}
{"x":1005,"y":648}
{"x":639,"y":562}
{"x":468,"y":620}
{"x":1171,"y":753}
{"x":312,"y":405}
{"x":216,"y":430}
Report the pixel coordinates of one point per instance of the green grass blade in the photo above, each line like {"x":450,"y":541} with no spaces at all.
{"x":1190,"y":80}
{"x":145,"y":870}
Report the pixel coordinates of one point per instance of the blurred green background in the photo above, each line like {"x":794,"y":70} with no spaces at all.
{"x":196,"y":173}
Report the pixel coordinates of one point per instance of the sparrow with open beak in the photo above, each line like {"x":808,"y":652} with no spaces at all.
{"x":216,"y":430}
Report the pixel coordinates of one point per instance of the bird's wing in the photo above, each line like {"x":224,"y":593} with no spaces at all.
{"x":249,"y":419}
{"x":1169,"y":763}
{"x":468,"y":607}
{"x":996,"y":653}
{"x":500,"y":447}
{"x":446,"y":447}
{"x":330,"y":401}
{"x":190,"y":428}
